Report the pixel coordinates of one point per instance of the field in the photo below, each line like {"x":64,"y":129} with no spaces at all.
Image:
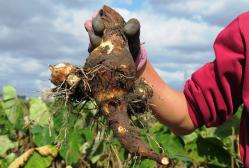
{"x":37,"y":133}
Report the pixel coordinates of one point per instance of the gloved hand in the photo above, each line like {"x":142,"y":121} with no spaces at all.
{"x":95,"y":28}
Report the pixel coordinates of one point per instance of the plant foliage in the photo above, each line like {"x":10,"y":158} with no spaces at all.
{"x":35,"y":133}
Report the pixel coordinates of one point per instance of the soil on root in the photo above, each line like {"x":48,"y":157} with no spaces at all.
{"x":109,"y":77}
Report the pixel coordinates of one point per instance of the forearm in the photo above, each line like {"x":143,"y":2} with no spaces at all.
{"x":169,"y":106}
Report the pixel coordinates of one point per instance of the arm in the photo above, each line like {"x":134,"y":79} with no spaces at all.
{"x":213,"y":93}
{"x":169,"y":106}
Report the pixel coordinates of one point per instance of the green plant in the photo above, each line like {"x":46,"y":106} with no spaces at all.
{"x":42,"y":134}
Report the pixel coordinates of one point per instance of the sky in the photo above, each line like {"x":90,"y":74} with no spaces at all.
{"x":178,"y":36}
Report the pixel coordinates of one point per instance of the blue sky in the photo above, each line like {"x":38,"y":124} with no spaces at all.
{"x":129,"y":5}
{"x":178,"y":36}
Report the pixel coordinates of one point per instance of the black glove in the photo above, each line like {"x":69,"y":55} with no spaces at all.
{"x":132,"y":32}
{"x":95,"y":29}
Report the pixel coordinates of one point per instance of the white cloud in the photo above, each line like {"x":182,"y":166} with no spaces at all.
{"x":201,"y":7}
{"x":128,"y":2}
{"x":4,"y":31}
{"x":177,"y":46}
{"x":207,"y":8}
{"x":175,"y":40}
{"x":72,"y":21}
{"x":177,"y":34}
{"x":213,"y":12}
{"x":177,"y":76}
{"x":19,"y":65}
{"x":160,"y":32}
{"x":26,"y":74}
{"x":45,"y":74}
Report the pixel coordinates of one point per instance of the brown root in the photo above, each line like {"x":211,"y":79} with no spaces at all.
{"x":109,"y":77}
{"x":60,"y":72}
{"x":128,"y":135}
{"x":138,"y":98}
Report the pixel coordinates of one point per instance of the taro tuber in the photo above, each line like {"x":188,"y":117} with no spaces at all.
{"x":109,"y":77}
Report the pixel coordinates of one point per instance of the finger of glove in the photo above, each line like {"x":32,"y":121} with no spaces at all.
{"x":134,"y":46}
{"x":94,"y":39}
{"x":98,"y":25}
{"x":132,"y":27}
{"x":132,"y":32}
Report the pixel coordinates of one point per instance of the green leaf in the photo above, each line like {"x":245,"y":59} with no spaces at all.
{"x":95,"y":158}
{"x":98,"y":146}
{"x":147,"y":163}
{"x":90,"y":107}
{"x":59,"y":118}
{"x":226,"y":129}
{"x":38,"y":161}
{"x":71,"y":121}
{"x":6,"y":126}
{"x":65,"y":120}
{"x":239,"y":111}
{"x":84,"y":147}
{"x":209,"y":150}
{"x":70,"y":151}
{"x":10,"y":103}
{"x":122,"y":154}
{"x":7,"y":160}
{"x":98,"y":153}
{"x":206,"y":132}
{"x":41,"y":135}
{"x":87,"y":132}
{"x":189,"y":138}
{"x":39,"y":112}
{"x":5,"y":144}
{"x":172,"y":144}
{"x":183,"y":158}
{"x":79,"y":124}
{"x":11,"y":157}
{"x":12,"y":106}
{"x":1,"y":107}
{"x":157,"y":127}
{"x":9,"y":92}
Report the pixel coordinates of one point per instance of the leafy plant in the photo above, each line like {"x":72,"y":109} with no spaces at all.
{"x":35,"y":133}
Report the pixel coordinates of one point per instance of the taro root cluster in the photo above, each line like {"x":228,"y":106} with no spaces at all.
{"x":109,"y":77}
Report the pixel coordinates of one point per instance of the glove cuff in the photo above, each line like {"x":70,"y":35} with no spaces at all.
{"x":141,"y":58}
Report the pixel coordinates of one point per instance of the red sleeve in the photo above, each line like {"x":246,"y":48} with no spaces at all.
{"x":214,"y":92}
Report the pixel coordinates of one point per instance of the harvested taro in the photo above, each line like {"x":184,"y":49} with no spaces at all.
{"x":109,"y":77}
